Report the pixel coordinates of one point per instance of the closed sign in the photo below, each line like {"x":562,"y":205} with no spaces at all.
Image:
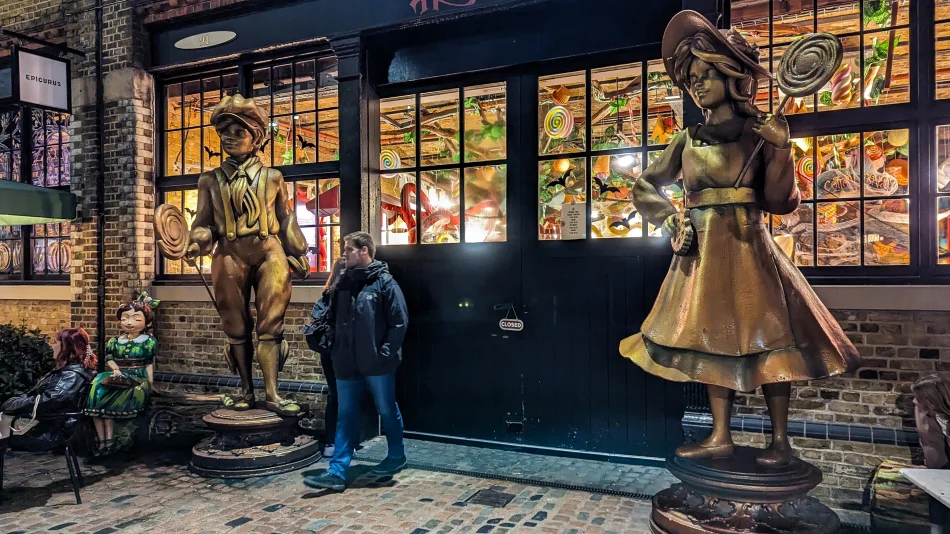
{"x":511,"y":325}
{"x":43,"y":81}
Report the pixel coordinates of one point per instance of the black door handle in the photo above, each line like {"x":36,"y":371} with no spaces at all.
{"x":504,"y":306}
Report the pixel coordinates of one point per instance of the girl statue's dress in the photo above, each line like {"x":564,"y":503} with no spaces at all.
{"x":133,"y":356}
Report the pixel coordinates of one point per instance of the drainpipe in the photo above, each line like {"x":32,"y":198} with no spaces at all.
{"x":100,"y":195}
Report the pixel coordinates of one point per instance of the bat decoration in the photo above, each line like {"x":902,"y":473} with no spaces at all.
{"x":625,"y":222}
{"x":210,"y":152}
{"x":603,"y":188}
{"x":263,"y":146}
{"x":562,"y":181}
{"x":304,"y":144}
{"x":191,"y":212}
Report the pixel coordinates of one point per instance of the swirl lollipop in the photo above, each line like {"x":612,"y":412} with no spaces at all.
{"x":388,"y":160}
{"x":172,"y":232}
{"x":806,"y":167}
{"x":559,"y":122}
{"x":808,"y":64}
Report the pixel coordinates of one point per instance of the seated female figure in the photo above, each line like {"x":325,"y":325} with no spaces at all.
{"x":28,"y":422}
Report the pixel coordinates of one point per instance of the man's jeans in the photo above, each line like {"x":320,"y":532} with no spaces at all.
{"x":350,"y":393}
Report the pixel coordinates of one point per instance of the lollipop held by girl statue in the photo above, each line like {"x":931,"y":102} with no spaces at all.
{"x":123,"y":391}
{"x":734,"y":313}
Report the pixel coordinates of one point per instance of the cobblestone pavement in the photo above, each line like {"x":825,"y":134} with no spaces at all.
{"x":577,"y":473}
{"x":157,"y":493}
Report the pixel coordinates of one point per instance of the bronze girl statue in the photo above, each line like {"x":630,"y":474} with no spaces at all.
{"x":734,"y":312}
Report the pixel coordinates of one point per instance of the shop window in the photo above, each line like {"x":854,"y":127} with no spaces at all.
{"x":302,"y":101}
{"x":316,"y":204}
{"x":443,"y":155}
{"x":942,"y":185}
{"x":300,"y":96}
{"x":876,"y":39}
{"x":187,"y":202}
{"x":855,"y":209}
{"x":10,"y":145}
{"x":46,"y":246}
{"x":942,"y":45}
{"x":317,"y":207}
{"x":191,"y":144}
{"x":632,"y":117}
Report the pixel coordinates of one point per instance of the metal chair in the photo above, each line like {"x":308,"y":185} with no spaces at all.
{"x":72,"y":461}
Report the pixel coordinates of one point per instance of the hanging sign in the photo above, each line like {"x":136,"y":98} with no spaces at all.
{"x":42,"y":81}
{"x":205,"y":40}
{"x":574,"y":221}
{"x":511,"y":325}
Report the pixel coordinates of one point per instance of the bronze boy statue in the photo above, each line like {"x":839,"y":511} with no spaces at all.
{"x":243,"y":208}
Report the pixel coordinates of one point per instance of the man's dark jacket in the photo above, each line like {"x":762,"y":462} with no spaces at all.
{"x":370,"y":322}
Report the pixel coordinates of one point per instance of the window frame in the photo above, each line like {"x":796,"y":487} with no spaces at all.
{"x":921,"y":116}
{"x":418,"y":168}
{"x":27,"y":274}
{"x":589,"y":154}
{"x":291,"y":173}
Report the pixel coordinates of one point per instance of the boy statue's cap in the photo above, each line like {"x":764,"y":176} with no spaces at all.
{"x":241,"y":109}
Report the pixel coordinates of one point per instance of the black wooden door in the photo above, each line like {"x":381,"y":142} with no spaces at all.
{"x":561,"y":382}
{"x":581,"y":298}
{"x":461,"y":374}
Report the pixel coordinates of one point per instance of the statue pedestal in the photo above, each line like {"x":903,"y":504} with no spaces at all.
{"x":252,"y":443}
{"x":736,"y":495}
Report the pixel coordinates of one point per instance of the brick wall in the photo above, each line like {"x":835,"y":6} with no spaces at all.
{"x":190,"y":341}
{"x":49,"y":316}
{"x":898,"y":348}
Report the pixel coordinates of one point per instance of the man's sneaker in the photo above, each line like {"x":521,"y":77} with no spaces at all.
{"x":326,"y":481}
{"x":390,"y":466}
{"x":328,"y":451}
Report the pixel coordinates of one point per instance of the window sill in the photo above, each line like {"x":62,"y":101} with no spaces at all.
{"x":20,"y":291}
{"x":302,"y":294}
{"x":885,"y":298}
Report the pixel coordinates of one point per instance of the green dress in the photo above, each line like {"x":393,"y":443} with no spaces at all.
{"x":133,"y":357}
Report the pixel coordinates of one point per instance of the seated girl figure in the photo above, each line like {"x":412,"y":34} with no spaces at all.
{"x":124,"y":392}
{"x":28,"y":422}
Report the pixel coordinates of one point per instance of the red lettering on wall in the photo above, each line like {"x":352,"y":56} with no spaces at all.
{"x":422,"y":6}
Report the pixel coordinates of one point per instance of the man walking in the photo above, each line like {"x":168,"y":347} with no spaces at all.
{"x":370,"y":321}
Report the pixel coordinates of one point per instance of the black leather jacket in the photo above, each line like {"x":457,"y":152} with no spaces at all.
{"x":60,"y":392}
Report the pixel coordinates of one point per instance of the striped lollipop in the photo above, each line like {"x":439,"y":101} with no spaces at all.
{"x":841,"y":87}
{"x":559,"y":122}
{"x":388,"y":160}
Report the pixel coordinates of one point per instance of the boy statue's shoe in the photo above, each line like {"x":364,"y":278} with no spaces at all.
{"x":390,"y":466}
{"x":326,"y":481}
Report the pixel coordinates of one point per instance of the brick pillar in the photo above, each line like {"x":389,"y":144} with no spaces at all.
{"x":129,"y":161}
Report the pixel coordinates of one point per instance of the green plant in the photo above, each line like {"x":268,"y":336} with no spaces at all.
{"x":877,"y":11}
{"x":25,"y":356}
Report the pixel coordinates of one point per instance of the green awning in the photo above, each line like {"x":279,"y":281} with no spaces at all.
{"x":29,"y":204}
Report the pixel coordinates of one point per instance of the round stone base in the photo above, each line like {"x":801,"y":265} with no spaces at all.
{"x":740,"y":479}
{"x":678,"y":510}
{"x":253,"y":461}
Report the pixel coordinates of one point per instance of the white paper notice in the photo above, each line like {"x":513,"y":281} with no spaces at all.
{"x":574,"y":221}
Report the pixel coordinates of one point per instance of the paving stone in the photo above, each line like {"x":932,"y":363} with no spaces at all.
{"x":125,"y":496}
